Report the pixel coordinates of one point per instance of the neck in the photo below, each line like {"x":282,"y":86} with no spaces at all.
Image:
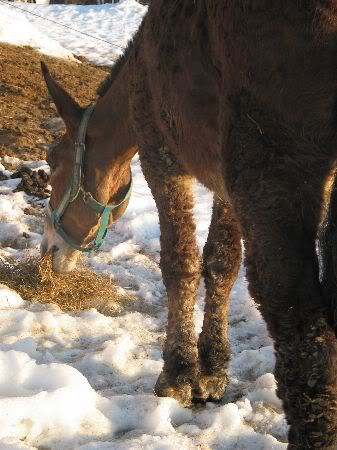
{"x":111,"y":143}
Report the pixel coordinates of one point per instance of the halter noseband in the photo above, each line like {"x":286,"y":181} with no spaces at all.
{"x":76,"y":187}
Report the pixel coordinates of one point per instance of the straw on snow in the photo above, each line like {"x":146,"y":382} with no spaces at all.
{"x":35,"y":281}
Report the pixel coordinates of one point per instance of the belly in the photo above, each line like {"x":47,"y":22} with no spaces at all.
{"x":186,"y":122}
{"x":186,"y":90}
{"x":188,"y":117}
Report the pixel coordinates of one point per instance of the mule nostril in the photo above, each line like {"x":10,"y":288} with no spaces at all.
{"x":43,"y":248}
{"x":54,"y":249}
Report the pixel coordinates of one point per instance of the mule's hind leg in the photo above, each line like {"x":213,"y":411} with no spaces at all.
{"x":328,"y":253}
{"x":180,"y":266}
{"x":277,"y":192}
{"x":283,"y":279}
{"x":221,"y":262}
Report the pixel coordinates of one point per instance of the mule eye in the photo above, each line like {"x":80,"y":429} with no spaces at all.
{"x":50,"y":153}
{"x":49,"y":148}
{"x":51,"y":160}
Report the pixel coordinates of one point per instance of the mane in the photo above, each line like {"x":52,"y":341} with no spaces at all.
{"x":115,"y":70}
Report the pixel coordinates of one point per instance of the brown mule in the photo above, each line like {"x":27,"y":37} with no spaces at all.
{"x":240,"y":94}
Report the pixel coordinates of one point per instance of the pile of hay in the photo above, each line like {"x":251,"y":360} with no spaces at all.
{"x":35,"y":281}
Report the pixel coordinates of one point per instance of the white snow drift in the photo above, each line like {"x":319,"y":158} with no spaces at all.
{"x":98,"y":32}
{"x":16,"y":29}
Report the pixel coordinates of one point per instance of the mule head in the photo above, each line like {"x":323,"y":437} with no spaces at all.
{"x":104,"y":178}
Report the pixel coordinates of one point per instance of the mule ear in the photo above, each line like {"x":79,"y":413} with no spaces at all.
{"x":66,"y":106}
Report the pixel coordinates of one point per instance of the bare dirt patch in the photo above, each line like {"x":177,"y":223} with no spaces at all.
{"x":28,"y":118}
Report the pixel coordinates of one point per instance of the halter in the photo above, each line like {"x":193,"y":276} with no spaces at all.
{"x":76,"y":187}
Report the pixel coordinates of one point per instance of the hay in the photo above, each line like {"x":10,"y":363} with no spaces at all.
{"x":35,"y":281}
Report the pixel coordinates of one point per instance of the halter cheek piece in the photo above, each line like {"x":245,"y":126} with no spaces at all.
{"x":76,"y":187}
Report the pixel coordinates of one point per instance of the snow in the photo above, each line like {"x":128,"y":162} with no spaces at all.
{"x":92,"y":376}
{"x":99,"y":32}
{"x":16,"y":29}
{"x":9,"y":299}
{"x":84,"y":380}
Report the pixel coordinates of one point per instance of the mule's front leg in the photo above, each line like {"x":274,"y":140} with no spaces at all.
{"x":221,"y":262}
{"x":180,"y":265}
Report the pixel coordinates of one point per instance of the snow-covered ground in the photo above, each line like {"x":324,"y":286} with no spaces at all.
{"x":98,"y":32}
{"x":84,"y":380}
{"x":18,"y":30}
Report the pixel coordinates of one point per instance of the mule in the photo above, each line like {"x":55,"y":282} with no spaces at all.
{"x":241,"y":95}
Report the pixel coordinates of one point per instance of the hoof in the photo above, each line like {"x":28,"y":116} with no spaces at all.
{"x":210,"y":388}
{"x":182,"y":392}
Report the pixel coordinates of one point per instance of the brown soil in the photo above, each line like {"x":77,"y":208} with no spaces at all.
{"x":28,"y":118}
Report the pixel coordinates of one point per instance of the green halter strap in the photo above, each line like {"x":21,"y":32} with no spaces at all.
{"x":76,"y":187}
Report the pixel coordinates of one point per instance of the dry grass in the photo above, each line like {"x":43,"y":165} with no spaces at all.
{"x":35,"y":281}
